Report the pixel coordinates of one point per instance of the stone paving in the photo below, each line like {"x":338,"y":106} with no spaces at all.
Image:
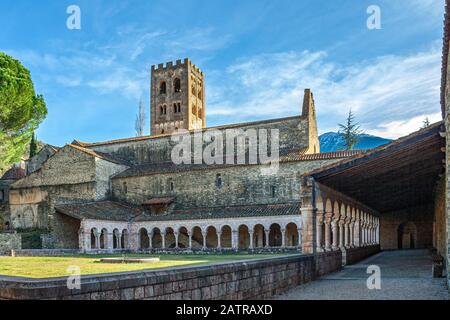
{"x":405,"y":275}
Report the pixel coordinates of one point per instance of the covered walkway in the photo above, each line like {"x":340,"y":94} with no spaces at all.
{"x":405,"y":275}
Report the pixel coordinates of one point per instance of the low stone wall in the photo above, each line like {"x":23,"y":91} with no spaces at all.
{"x":43,"y":252}
{"x":354,"y":255}
{"x":9,"y":241}
{"x":251,"y":279}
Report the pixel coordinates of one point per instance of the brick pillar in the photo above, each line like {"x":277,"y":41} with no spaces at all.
{"x":251,"y":239}
{"x":356,"y":239}
{"x":267,"y":232}
{"x":283,"y":238}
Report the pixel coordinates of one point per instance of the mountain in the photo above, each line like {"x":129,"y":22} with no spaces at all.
{"x":332,"y":141}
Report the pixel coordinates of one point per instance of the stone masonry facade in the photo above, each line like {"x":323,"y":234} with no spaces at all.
{"x":130,"y":194}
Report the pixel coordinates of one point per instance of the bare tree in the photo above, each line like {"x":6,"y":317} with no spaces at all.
{"x":139,"y":125}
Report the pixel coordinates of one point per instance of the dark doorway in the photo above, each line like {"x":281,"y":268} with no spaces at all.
{"x":407,"y":235}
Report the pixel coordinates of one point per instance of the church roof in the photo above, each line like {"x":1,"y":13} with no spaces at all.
{"x":260,"y":210}
{"x":292,"y":155}
{"x":117,"y":211}
{"x":151,"y":137}
{"x":100,"y":155}
{"x":98,"y":210}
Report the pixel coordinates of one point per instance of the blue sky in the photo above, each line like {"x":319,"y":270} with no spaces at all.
{"x":258,"y":56}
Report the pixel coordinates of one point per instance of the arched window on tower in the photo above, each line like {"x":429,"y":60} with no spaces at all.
{"x":200,"y":93}
{"x":193,"y":89}
{"x":162,"y":88}
{"x":164,"y":109}
{"x":161,"y":110}
{"x":177,"y":85}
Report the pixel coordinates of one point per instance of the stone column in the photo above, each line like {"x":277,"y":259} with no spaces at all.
{"x":346,"y":234}
{"x":109,"y":241}
{"x":356,"y":237}
{"x":204,"y":234}
{"x":97,"y":240}
{"x":327,"y":234}
{"x":219,"y":245}
{"x":341,"y":233}
{"x":176,"y":239}
{"x":299,"y":230}
{"x":251,"y":239}
{"x":267,"y":232}
{"x":352,"y":234}
{"x":190,"y":240}
{"x":308,"y":231}
{"x":150,"y":240}
{"x":335,"y":232}
{"x":319,"y":235}
{"x":283,"y":238}
{"x":163,"y":240}
{"x":235,"y":239}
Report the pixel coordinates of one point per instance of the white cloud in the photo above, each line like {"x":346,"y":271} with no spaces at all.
{"x":384,"y":92}
{"x":395,"y":129}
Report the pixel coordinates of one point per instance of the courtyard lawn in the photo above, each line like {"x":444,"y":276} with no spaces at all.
{"x":48,"y":267}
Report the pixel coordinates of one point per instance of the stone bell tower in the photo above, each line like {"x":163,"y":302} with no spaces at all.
{"x":177,"y":98}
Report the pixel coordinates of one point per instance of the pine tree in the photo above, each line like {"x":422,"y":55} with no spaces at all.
{"x":350,"y":131}
{"x":425,"y":123}
{"x":33,"y":146}
{"x":139,"y":125}
{"x":21,"y":110}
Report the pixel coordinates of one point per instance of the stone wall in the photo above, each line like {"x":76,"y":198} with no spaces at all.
{"x":440,"y":220}
{"x":251,"y":279}
{"x":354,"y":255}
{"x":36,"y":162}
{"x":241,"y":185}
{"x":9,"y":241}
{"x":420,"y":220}
{"x":293,"y":134}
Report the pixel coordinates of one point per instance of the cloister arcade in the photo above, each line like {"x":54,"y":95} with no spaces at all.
{"x":342,"y":224}
{"x":234,"y":234}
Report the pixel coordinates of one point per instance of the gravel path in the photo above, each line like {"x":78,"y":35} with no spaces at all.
{"x":405,"y":275}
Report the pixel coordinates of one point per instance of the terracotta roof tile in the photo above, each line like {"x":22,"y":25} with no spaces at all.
{"x":226,"y":212}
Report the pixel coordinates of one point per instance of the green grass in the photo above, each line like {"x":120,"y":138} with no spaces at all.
{"x":48,"y":267}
